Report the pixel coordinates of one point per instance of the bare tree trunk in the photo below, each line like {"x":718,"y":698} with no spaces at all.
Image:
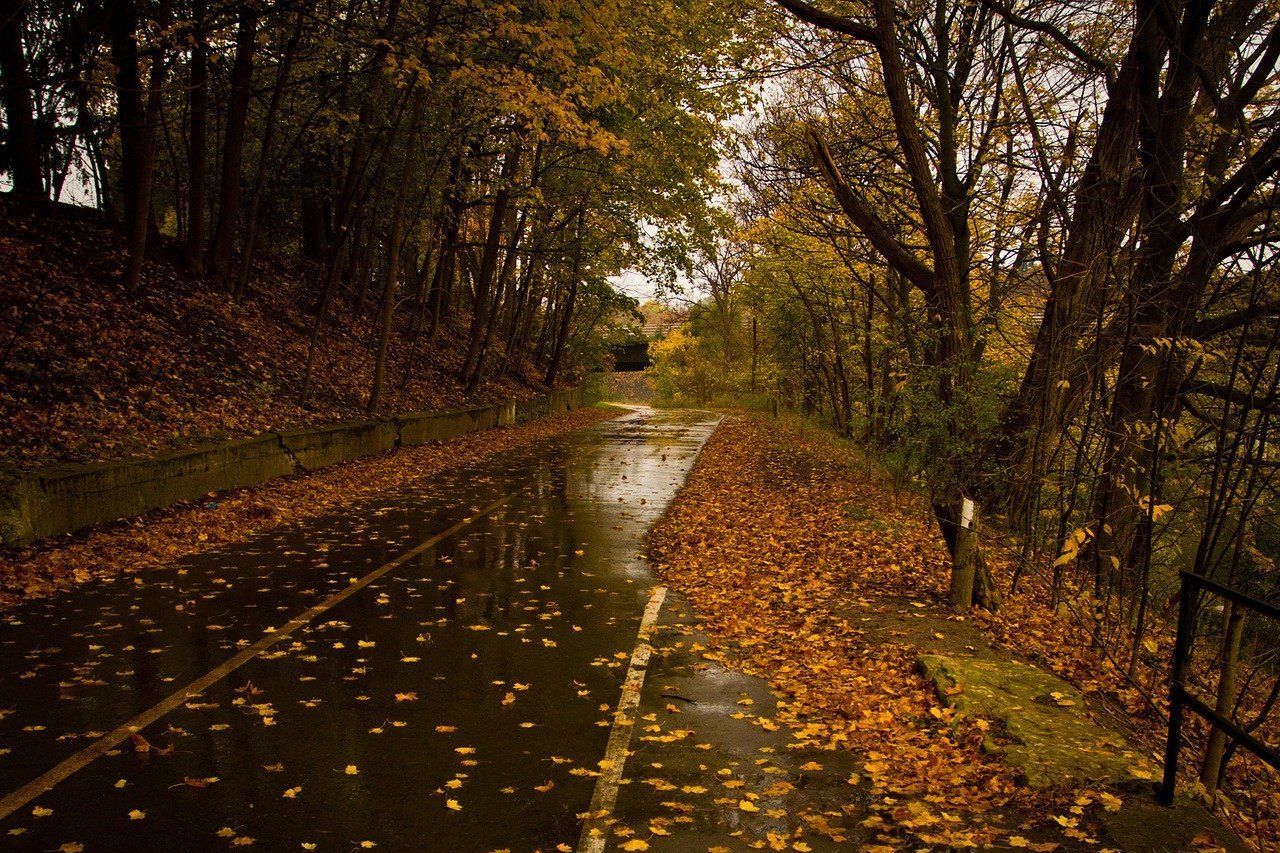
{"x":522,"y":324}
{"x":335,"y":263}
{"x":140,"y":224}
{"x":754,"y":352}
{"x":566,"y":319}
{"x":1160,"y":306}
{"x":394,"y":265}
{"x":19,"y":108}
{"x":388,"y":302}
{"x":869,"y":373}
{"x":1055,"y":380}
{"x":1211,"y":769}
{"x":233,"y":143}
{"x":198,"y":146}
{"x":485,"y":291}
{"x":966,"y":554}
{"x":449,"y":224}
{"x":130,"y":114}
{"x":502,"y":296}
{"x":264,"y":155}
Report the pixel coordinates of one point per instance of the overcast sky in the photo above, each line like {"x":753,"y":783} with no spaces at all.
{"x":635,"y":285}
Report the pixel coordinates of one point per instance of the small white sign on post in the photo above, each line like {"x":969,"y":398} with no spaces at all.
{"x":966,"y":514}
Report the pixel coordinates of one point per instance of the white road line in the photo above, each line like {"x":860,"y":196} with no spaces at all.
{"x":115,"y":737}
{"x":594,"y":828}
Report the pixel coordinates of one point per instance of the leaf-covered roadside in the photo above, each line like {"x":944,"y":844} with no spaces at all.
{"x":779,"y":540}
{"x":158,"y":538}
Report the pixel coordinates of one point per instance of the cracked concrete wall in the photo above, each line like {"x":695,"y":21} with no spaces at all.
{"x":319,"y":447}
{"x":66,"y":498}
{"x":563,"y":400}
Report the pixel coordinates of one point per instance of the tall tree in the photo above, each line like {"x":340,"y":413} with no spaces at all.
{"x":197,"y":138}
{"x":22,"y":146}
{"x":941,"y":201}
{"x":233,"y":141}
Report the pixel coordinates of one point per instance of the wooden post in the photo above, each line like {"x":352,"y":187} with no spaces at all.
{"x":1215,"y":750}
{"x":965,"y":560}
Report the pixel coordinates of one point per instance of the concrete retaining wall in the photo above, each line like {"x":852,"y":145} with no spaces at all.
{"x":421,"y":427}
{"x":66,"y":498}
{"x":563,"y":400}
{"x":316,"y":447}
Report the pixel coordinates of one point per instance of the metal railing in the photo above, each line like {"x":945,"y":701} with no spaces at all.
{"x":1180,"y":698}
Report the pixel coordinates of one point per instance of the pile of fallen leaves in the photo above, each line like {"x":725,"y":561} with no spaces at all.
{"x":780,"y":536}
{"x":158,"y":538}
{"x":88,"y":372}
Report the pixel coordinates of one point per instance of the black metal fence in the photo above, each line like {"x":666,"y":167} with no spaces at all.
{"x":1180,"y":698}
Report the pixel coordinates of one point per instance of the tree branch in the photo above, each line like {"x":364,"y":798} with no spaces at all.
{"x":1069,"y":44}
{"x":827,"y":21}
{"x":865,"y":219}
{"x":1229,"y":394}
{"x":1211,"y":326}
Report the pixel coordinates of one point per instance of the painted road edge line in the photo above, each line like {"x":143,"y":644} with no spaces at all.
{"x":77,"y":761}
{"x":624,"y":721}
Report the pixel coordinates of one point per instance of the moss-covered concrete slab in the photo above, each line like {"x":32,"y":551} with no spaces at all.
{"x":1041,"y":727}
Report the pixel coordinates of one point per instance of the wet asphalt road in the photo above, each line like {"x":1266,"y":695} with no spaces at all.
{"x":461,"y":701}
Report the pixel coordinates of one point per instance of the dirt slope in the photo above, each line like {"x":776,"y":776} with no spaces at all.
{"x":89,"y":373}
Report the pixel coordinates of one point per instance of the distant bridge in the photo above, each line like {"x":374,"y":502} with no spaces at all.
{"x":631,"y":357}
